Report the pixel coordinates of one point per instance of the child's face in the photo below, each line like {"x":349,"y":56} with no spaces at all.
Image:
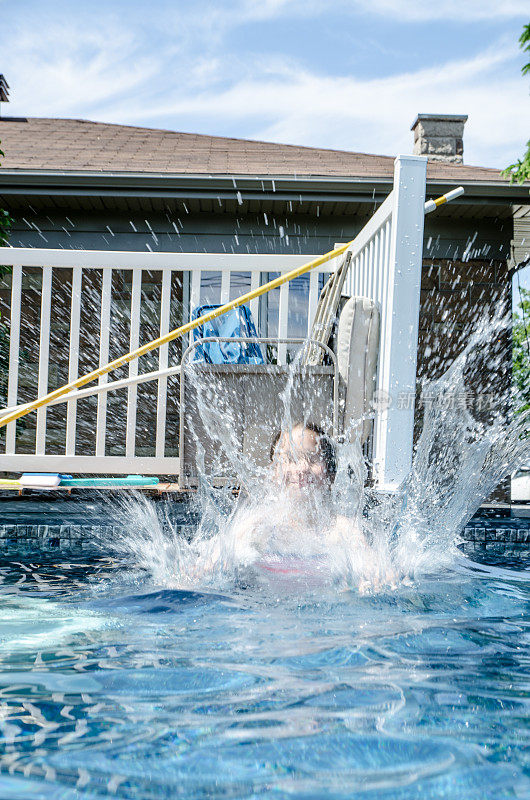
{"x":298,"y":462}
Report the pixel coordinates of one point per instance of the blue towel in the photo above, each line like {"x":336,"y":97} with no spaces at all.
{"x":237,"y":322}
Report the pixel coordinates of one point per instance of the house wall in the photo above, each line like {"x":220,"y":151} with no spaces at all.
{"x":455,"y":297}
{"x":465,"y":269}
{"x":248,"y":233}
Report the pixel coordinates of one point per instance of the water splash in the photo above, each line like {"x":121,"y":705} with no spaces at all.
{"x":351,"y":536}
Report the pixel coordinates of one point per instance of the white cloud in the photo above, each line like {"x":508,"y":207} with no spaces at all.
{"x":117,"y":73}
{"x":73,"y":68}
{"x":243,"y":11}
{"x":458,"y":10}
{"x":211,"y":20}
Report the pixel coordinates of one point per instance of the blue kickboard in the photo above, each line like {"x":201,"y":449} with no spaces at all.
{"x":129,"y":480}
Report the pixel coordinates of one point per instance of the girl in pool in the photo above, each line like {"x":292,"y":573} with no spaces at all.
{"x":292,"y":534}
{"x":293,"y":529}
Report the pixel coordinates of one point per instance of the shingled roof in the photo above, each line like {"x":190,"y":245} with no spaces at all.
{"x":72,"y":145}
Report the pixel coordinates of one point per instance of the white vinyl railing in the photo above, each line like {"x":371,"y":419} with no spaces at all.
{"x":193,"y":270}
{"x":386,"y":266}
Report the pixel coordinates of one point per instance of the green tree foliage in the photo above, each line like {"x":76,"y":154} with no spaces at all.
{"x":520,"y":171}
{"x":521,"y":350}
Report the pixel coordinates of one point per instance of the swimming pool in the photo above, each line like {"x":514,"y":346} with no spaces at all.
{"x":112,"y":686}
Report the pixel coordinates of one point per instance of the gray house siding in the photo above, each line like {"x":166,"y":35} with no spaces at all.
{"x":262,"y":232}
{"x":521,"y":240}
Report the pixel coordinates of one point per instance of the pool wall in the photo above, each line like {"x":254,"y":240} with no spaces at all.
{"x":78,"y":524}
{"x":73,"y":525}
{"x":508,"y":535}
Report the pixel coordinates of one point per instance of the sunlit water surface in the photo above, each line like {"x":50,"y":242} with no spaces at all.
{"x":113,"y":686}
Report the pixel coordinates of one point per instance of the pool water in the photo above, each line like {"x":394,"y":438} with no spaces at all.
{"x":114,"y":687}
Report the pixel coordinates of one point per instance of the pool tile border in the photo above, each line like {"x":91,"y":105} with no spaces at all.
{"x":482,"y":533}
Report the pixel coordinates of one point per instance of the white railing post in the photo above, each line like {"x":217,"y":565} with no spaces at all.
{"x":394,"y":423}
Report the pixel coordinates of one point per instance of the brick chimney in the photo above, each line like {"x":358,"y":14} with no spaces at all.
{"x":440,"y":137}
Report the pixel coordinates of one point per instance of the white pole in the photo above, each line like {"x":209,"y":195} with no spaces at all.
{"x":399,"y":337}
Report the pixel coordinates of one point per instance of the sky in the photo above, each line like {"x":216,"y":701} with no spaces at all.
{"x":343,"y":74}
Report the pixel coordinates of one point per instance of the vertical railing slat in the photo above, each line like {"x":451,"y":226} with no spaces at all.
{"x":134,"y":340}
{"x":378,"y":265}
{"x":73,"y":357}
{"x":365,"y":268}
{"x":14,"y":352}
{"x":371,"y":266}
{"x":283,"y":320}
{"x":353,"y":279}
{"x":225,"y":286}
{"x":385,"y":294}
{"x":186,"y":302}
{"x":380,"y":427}
{"x":356,"y":271}
{"x":312,"y":299}
{"x":44,"y":356}
{"x":377,"y":262}
{"x":255,"y":276}
{"x":195,"y":298}
{"x":104,"y":333}
{"x":186,"y":285}
{"x":163,"y":353}
{"x":384,"y":259}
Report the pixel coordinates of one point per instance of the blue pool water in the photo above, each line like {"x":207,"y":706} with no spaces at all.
{"x":112,"y":686}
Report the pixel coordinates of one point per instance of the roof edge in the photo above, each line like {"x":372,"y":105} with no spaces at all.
{"x":63,"y":182}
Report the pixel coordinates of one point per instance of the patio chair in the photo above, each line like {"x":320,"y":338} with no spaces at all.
{"x":229,"y":330}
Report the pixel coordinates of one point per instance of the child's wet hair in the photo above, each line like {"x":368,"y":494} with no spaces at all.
{"x":328,"y":452}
